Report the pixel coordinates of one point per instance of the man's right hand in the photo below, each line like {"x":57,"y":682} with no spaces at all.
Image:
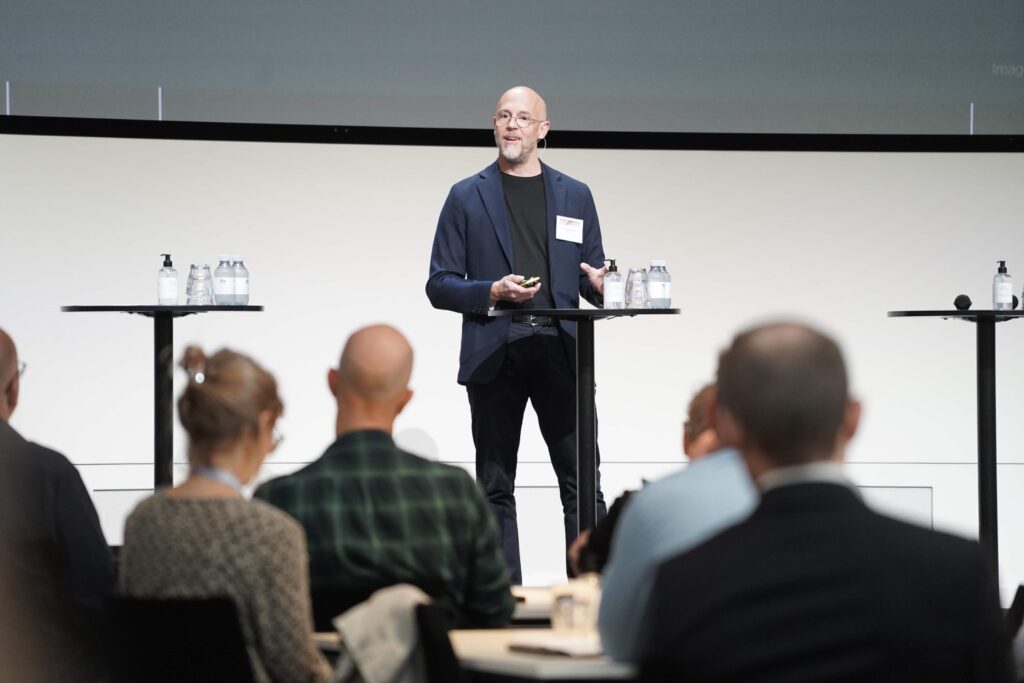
{"x":576,"y":551}
{"x":509,"y":289}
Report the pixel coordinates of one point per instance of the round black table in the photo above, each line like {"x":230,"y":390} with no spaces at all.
{"x":586,"y":416}
{"x":988,"y":513}
{"x":163,"y":384}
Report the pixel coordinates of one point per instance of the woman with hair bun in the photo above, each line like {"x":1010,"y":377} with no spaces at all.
{"x":203,"y":539}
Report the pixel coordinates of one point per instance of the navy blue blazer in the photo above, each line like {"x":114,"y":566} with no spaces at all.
{"x":473,"y":248}
{"x":814,"y":586}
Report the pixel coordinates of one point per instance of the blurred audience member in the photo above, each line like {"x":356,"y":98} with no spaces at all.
{"x":376,"y":515}
{"x":665,"y":518}
{"x":814,"y":586}
{"x":203,"y":539}
{"x":589,"y":552}
{"x":55,"y":565}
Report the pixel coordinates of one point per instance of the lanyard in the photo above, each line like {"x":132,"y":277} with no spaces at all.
{"x":217,"y":474}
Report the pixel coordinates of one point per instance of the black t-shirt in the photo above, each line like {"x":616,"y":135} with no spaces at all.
{"x":526,"y":208}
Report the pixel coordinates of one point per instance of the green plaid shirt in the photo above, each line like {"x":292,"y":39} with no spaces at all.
{"x":375,"y":514}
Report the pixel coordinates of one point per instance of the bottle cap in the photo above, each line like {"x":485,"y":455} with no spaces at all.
{"x":612,"y":268}
{"x":1002,"y":266}
{"x":237,"y":258}
{"x":658,"y":263}
{"x":225,"y":257}
{"x":167,"y":261}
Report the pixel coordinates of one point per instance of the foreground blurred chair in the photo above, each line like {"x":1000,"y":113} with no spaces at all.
{"x":1015,"y":614}
{"x":329,"y":602}
{"x":175,"y":640}
{"x":398,"y":634}
{"x":1014,"y":619}
{"x":442,"y":666}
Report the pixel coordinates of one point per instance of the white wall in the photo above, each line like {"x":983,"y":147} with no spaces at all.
{"x":339,"y":236}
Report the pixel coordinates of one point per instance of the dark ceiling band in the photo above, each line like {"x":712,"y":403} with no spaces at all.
{"x":466,"y":137}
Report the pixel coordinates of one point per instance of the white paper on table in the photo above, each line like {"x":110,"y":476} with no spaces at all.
{"x":564,"y":644}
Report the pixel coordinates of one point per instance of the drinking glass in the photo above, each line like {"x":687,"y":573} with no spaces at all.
{"x":200,"y":287}
{"x":636,"y":288}
{"x":574,"y":605}
{"x":191,"y":279}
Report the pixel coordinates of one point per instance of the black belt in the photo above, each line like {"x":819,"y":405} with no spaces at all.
{"x":535,"y":320}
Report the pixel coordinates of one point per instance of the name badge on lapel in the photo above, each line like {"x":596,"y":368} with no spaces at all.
{"x":569,"y":229}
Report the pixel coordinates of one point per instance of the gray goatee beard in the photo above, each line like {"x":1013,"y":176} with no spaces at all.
{"x":510,"y":155}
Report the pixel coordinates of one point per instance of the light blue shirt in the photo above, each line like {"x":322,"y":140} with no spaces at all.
{"x":660,"y":521}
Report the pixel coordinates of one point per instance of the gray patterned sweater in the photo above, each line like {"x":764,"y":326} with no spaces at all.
{"x":190,"y":547}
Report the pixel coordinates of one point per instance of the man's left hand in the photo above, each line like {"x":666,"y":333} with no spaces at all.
{"x":596,"y":276}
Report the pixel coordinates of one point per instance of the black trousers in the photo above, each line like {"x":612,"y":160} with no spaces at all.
{"x":536,"y":369}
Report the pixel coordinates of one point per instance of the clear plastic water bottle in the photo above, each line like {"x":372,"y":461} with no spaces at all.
{"x":659,"y":285}
{"x":224,"y":282}
{"x":241,"y":282}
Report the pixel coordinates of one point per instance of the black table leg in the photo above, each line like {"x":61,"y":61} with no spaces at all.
{"x":586,"y":426}
{"x":988,"y":532}
{"x":163,"y":387}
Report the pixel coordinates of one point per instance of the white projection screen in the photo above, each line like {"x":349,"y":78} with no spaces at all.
{"x":338,"y":236}
{"x":750,"y":66}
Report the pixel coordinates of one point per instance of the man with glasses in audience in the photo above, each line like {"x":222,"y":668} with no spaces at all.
{"x":520,"y":235}
{"x":55,"y":565}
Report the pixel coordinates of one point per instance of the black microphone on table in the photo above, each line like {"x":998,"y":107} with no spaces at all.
{"x":963,"y":302}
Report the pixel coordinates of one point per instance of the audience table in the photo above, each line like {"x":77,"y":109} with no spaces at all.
{"x":985,"y":323}
{"x":163,"y":383}
{"x":586,"y":415}
{"x":484,"y":654}
{"x":533,"y":605}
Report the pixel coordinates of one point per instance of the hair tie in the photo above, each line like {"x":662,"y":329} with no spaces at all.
{"x":194,"y":363}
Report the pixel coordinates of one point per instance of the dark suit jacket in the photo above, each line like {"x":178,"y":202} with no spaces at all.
{"x":814,"y":586}
{"x":473,"y":248}
{"x":55,"y":564}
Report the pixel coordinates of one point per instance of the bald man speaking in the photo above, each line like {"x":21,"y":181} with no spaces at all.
{"x":375,"y":515}
{"x":520,"y":235}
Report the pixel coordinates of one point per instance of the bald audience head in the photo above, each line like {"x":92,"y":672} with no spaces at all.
{"x":9,"y":384}
{"x":783,"y":396}
{"x":371,"y":383}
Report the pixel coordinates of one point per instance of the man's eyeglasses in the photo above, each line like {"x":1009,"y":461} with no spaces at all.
{"x":21,"y":367}
{"x":276,"y":439}
{"x":522,"y":118}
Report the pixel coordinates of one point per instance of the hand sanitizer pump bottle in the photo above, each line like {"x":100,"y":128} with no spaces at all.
{"x":1002,"y":289}
{"x":167,"y":284}
{"x":614,"y":287}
